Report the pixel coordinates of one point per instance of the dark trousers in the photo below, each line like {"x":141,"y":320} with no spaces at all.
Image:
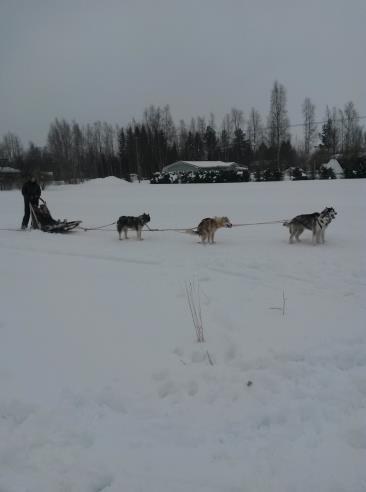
{"x":27,"y":210}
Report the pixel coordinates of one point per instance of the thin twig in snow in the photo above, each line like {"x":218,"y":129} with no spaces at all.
{"x":194,"y":303}
{"x":209,"y":358}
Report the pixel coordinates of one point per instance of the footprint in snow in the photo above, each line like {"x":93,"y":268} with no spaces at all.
{"x":101,"y":483}
{"x":192,"y":388}
{"x":168,"y":388}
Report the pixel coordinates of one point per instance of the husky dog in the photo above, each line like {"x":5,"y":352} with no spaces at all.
{"x":207,"y":227}
{"x":127,"y":222}
{"x":315,"y":222}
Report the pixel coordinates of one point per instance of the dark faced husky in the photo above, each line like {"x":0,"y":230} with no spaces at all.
{"x":137,"y":223}
{"x":315,"y":222}
{"x":207,"y":227}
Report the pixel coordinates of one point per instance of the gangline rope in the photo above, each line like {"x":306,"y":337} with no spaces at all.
{"x":173,"y":229}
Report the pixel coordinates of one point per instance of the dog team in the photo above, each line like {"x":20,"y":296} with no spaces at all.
{"x":316,"y":222}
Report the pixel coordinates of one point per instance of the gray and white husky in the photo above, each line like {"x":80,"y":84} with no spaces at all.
{"x":126,"y":222}
{"x":315,"y":222}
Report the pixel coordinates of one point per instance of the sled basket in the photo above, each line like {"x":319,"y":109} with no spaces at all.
{"x":42,"y":219}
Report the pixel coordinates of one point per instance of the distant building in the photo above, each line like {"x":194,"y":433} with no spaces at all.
{"x":134,"y":178}
{"x":9,"y":177}
{"x":196,"y":166}
{"x":335,"y":166}
{"x":6,"y":170}
{"x":13,"y":178}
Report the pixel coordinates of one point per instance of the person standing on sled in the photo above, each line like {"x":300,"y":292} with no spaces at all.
{"x":31,"y":192}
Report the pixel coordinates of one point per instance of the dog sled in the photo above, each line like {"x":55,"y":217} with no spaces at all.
{"x":43,"y":220}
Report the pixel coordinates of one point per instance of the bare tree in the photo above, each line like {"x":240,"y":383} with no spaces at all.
{"x":308,"y":111}
{"x":352,"y":129}
{"x":91,"y":150}
{"x":153,"y":118}
{"x":60,"y":145}
{"x":211,"y":121}
{"x":227,"y":126}
{"x":109,"y":151}
{"x":201,"y":125}
{"x":237,"y":118}
{"x":255,"y":129}
{"x":182,"y":136}
{"x":108,"y":140}
{"x":278,"y":122}
{"x":78,"y":150}
{"x":11,"y":148}
{"x":168,"y":126}
{"x":340,"y":124}
{"x":193,"y":126}
{"x":332,"y":131}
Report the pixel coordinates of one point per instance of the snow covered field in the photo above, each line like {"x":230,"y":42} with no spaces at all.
{"x":102,"y":385}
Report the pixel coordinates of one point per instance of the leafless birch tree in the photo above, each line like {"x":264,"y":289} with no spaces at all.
{"x":255,"y":129}
{"x":278,"y":122}
{"x":308,"y":111}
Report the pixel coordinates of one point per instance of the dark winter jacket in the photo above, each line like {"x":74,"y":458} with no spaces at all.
{"x":31,"y":191}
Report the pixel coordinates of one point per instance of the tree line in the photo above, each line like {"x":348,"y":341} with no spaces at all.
{"x":74,"y":152}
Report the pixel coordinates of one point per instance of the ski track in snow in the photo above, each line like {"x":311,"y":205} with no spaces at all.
{"x":103,"y":387}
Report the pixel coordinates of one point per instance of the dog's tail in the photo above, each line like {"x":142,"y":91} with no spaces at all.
{"x":191,"y":231}
{"x":286,"y":223}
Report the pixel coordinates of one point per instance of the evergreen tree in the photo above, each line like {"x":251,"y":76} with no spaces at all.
{"x":122,"y":155}
{"x":330,"y":136}
{"x":327,"y":173}
{"x":241,"y":151}
{"x":224,"y":145}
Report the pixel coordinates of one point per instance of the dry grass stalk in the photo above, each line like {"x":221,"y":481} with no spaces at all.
{"x":194,"y":303}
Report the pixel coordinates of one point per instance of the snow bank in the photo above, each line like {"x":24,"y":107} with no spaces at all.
{"x":109,"y":181}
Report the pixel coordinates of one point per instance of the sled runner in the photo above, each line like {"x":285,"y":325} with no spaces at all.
{"x":42,"y":219}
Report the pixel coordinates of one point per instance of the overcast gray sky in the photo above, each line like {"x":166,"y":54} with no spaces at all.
{"x":108,"y":59}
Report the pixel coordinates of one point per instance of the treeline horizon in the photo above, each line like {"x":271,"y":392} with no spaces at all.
{"x":74,"y":152}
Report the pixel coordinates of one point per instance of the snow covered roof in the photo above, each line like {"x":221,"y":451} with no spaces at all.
{"x":292,"y":168}
{"x":333,"y":164}
{"x":9,"y":170}
{"x":209,"y":164}
{"x":201,"y":165}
